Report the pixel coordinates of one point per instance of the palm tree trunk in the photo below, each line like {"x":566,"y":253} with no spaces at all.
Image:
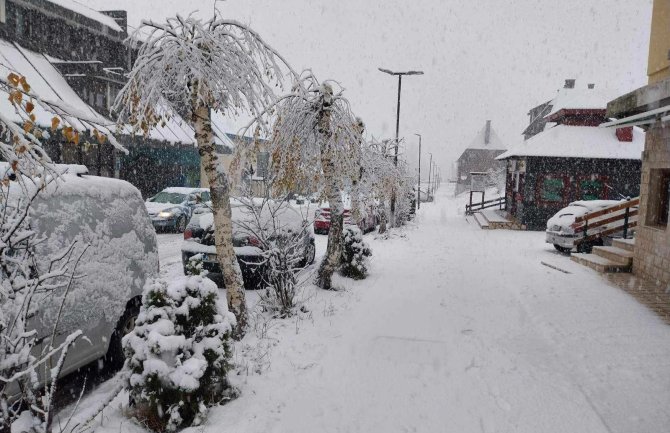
{"x":219,"y":186}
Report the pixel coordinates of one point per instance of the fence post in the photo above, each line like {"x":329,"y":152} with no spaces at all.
{"x":625,"y":224}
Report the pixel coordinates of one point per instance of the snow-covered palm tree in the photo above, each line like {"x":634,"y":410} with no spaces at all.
{"x":192,"y":67}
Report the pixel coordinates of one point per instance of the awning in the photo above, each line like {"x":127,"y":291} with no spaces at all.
{"x":647,"y":118}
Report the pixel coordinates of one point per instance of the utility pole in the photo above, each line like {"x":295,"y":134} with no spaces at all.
{"x":418,"y":192}
{"x":397,"y":128}
{"x":430,"y":169}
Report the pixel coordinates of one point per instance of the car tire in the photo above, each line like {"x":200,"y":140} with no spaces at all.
{"x":115,"y":358}
{"x":561,"y":249}
{"x":180,"y":224}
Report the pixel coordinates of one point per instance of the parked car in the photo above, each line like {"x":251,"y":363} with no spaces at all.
{"x":367,"y":223}
{"x":172,"y":208}
{"x":199,"y":239}
{"x":560,"y":231}
{"x":109,"y":223}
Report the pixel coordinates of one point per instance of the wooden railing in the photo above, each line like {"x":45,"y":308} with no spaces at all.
{"x":499,"y":202}
{"x":618,"y":218}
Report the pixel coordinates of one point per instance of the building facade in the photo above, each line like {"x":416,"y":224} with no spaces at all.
{"x":479,"y":157}
{"x":571,"y":159}
{"x":649,"y":107}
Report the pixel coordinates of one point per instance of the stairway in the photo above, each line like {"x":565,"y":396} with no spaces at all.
{"x":617,"y":258}
{"x":491,"y":219}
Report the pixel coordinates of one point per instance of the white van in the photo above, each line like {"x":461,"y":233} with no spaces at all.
{"x":108,"y":217}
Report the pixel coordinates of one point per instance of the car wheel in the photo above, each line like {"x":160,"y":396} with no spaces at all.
{"x":115,"y":357}
{"x":180,"y":225}
{"x":562,"y":249}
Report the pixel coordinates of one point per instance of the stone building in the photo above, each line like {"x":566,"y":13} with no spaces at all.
{"x":649,"y":107}
{"x":479,"y":157}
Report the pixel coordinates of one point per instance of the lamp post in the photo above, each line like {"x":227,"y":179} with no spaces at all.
{"x":418,"y":189}
{"x":430,"y":169}
{"x":397,"y":127}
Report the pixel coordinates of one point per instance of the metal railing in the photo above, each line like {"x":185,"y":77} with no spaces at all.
{"x":499,"y":202}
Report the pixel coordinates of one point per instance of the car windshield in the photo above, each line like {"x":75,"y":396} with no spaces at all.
{"x":169,"y":197}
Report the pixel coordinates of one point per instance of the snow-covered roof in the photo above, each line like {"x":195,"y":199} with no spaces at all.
{"x":480,"y":141}
{"x":563,"y":141}
{"x":50,"y":86}
{"x":86,"y":11}
{"x":584,"y":99}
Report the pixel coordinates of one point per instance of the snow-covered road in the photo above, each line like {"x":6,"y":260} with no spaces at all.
{"x":456,"y":330}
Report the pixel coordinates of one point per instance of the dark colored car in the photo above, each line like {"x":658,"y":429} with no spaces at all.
{"x":199,"y":239}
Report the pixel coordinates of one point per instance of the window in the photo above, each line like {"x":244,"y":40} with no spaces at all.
{"x":658,"y":206}
{"x":552,"y":189}
{"x":20,"y":25}
{"x":3,"y":11}
{"x":591,"y":188}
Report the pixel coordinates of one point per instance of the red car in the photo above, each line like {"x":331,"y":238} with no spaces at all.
{"x":322,"y":220}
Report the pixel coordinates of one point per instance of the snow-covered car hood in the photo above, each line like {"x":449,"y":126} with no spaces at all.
{"x":289,"y":219}
{"x":154,"y":208}
{"x":564,"y":218}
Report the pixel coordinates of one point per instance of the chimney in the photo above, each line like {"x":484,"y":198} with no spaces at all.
{"x":625,"y":134}
{"x":592,"y":86}
{"x":569,"y":83}
{"x":487,"y":132}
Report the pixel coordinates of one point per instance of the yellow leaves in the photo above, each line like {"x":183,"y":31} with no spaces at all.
{"x":15,"y":165}
{"x":99,"y":137}
{"x":15,"y":97}
{"x":55,"y":121}
{"x":13,"y":79}
{"x":30,"y":107}
{"x":28,"y":126}
{"x":24,"y":84}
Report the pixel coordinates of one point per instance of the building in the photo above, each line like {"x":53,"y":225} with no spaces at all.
{"x":649,"y":107}
{"x":571,"y":159}
{"x":85,"y":68}
{"x":479,"y":157}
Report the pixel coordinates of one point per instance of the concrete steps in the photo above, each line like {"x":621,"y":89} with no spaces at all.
{"x":491,"y":219}
{"x":617,"y":258}
{"x":624,"y":244}
{"x":481,"y":220}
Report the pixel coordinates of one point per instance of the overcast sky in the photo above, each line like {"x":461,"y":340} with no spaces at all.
{"x":483,"y":59}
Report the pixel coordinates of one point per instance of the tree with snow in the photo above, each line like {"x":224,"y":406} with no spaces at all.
{"x":179,"y":353}
{"x":192,"y":67}
{"x":312,"y":143}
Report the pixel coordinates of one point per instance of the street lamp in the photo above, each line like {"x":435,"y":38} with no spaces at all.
{"x":397,"y":126}
{"x":430,"y":168}
{"x":418,"y":193}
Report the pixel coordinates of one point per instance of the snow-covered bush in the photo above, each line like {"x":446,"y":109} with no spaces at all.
{"x":283,"y":260}
{"x":355,"y":254}
{"x":178,"y":354}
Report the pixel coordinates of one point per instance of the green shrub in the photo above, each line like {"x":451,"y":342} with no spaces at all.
{"x":355,"y":254}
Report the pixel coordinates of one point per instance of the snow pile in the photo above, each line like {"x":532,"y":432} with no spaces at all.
{"x":355,"y":254}
{"x":178,"y":352}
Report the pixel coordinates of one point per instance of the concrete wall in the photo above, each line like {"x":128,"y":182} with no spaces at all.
{"x":659,"y":44}
{"x":652,"y":244}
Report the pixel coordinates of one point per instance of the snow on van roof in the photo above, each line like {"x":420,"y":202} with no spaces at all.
{"x":184,"y":190}
{"x":87,"y":12}
{"x":563,"y":141}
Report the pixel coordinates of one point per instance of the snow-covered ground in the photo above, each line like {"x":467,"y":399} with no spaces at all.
{"x":456,"y":330}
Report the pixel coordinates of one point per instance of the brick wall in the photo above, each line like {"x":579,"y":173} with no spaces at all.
{"x":652,"y":244}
